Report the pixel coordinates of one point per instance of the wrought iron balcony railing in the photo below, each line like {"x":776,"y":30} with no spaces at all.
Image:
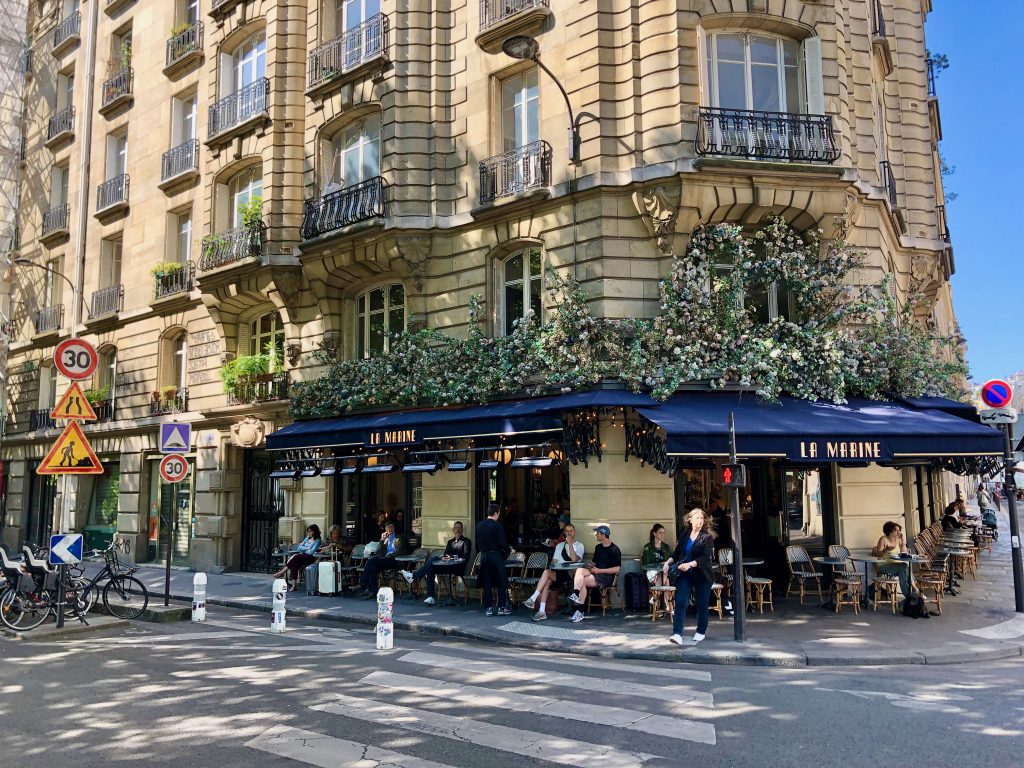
{"x":67,"y":29}
{"x":106,"y":301}
{"x":493,"y":11}
{"x":778,"y":136}
{"x":48,"y":319}
{"x":41,"y":419}
{"x":260,"y":389}
{"x":184,"y":43}
{"x":231,"y":246}
{"x":62,"y":122}
{"x":931,"y":77}
{"x":184,"y":158}
{"x":56,"y":219}
{"x":112,"y":192}
{"x":104,"y":409}
{"x":335,"y":210}
{"x":878,"y":19}
{"x":173,"y":281}
{"x":522,"y":169}
{"x":164,"y":402}
{"x":348,"y":51}
{"x":118,"y":86}
{"x":943,"y":224}
{"x":238,"y":107}
{"x":888,"y":181}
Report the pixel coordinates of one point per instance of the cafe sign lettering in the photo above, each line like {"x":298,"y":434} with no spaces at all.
{"x":383,"y":437}
{"x":840,"y":449}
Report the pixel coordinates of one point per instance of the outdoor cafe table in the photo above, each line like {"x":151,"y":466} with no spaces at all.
{"x":410,"y":560}
{"x":449,"y":575}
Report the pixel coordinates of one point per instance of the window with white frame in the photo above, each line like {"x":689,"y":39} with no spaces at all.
{"x":47,"y":387}
{"x":179,"y":361}
{"x":183,"y":236}
{"x":521,"y":287}
{"x":248,"y":64}
{"x":183,"y":119}
{"x":266,"y":332}
{"x":65,"y":90}
{"x":379,"y":314}
{"x":765,"y":301}
{"x":349,"y":14}
{"x":53,"y":286}
{"x":353,"y":154}
{"x":106,"y":370}
{"x":754,"y":72}
{"x":59,"y":177}
{"x":188,"y":12}
{"x":117,"y":155}
{"x":110,"y":263}
{"x":243,"y":188}
{"x":520,"y":113}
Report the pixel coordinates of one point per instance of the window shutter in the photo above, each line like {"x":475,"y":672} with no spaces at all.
{"x":703,"y":94}
{"x":813,"y":76}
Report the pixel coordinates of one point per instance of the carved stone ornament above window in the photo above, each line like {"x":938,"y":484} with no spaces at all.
{"x":248,"y":433}
{"x":658,"y":207}
{"x":414,"y":255}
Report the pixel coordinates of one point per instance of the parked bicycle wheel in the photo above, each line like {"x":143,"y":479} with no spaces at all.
{"x":22,"y":611}
{"x":125,"y":597}
{"x":77,"y":596}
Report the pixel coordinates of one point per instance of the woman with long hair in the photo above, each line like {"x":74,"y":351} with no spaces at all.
{"x":303,"y":556}
{"x":693,"y":554}
{"x":655,"y":552}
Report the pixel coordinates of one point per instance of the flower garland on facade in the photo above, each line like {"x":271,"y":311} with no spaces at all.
{"x":834,"y":341}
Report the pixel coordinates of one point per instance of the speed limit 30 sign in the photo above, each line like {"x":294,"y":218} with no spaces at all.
{"x":173,"y":468}
{"x":75,"y":358}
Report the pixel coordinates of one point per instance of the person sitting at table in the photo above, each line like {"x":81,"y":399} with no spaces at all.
{"x":568,"y":551}
{"x":600,"y":574}
{"x":457,"y":548}
{"x":333,"y":545}
{"x":655,"y":552}
{"x":951,"y":517}
{"x":383,"y":560}
{"x":891,"y":544}
{"x":303,"y":557}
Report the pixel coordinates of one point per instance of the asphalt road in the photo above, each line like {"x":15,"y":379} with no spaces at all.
{"x":228,"y":693}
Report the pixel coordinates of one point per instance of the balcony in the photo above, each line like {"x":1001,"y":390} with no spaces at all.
{"x":169,"y":400}
{"x":932,"y":91}
{"x":232,"y":115}
{"x":357,"y":52}
{"x":48,"y":319}
{"x":888,"y":182}
{"x":235,"y":245}
{"x":942,"y":223}
{"x":41,"y":419}
{"x":180,"y":165}
{"x":184,"y":49}
{"x":220,"y":8}
{"x":112,"y":196}
{"x":513,"y":173}
{"x":60,"y":128}
{"x":771,"y":136}
{"x":106,"y":301}
{"x":173,"y":282}
{"x":104,"y":410}
{"x":335,"y":210}
{"x":880,"y":38}
{"x":55,"y":224}
{"x":67,"y":33}
{"x":117,"y":91}
{"x":260,"y":389}
{"x":502,"y":19}
{"x":934,"y":118}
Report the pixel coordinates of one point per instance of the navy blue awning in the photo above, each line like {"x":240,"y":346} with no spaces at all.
{"x":697,"y":424}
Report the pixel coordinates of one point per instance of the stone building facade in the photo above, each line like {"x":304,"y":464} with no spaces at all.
{"x":406,"y":163}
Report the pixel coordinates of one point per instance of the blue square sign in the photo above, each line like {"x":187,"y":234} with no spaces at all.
{"x":65,"y":549}
{"x":175,"y":438}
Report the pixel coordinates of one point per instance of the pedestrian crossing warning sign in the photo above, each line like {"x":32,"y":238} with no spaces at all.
{"x":71,"y":455}
{"x":74,"y":405}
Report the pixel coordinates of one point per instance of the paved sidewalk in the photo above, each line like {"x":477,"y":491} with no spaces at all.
{"x":978,"y":624}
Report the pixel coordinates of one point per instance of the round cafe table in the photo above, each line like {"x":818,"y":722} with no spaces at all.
{"x":408,"y":560}
{"x":449,"y":578}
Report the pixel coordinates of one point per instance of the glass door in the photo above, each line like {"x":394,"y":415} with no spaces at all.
{"x":171,"y":514}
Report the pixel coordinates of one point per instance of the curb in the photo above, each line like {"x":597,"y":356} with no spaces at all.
{"x":50,"y":633}
{"x":767,"y":657}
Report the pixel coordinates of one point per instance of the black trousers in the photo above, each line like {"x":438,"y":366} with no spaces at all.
{"x":493,"y":576}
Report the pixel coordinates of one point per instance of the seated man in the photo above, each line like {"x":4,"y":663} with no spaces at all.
{"x":458,"y":547}
{"x":384,"y":560}
{"x":568,"y":551}
{"x":600,"y":573}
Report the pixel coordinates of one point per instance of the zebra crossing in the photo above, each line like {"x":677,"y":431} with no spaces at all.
{"x":523,"y":706}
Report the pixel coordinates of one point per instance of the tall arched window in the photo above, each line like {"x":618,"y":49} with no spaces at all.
{"x":380,"y":312}
{"x":106,"y":371}
{"x":753,"y":71}
{"x":521,"y":287}
{"x":244,"y":187}
{"x":352,"y":154}
{"x":265,"y":332}
{"x":249,"y":62}
{"x":179,"y":361}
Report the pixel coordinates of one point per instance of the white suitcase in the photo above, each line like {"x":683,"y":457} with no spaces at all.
{"x":327,"y":577}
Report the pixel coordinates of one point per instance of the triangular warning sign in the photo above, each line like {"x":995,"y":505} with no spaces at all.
{"x":71,"y":455}
{"x":74,"y":405}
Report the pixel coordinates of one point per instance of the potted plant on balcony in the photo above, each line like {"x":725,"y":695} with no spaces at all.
{"x":251,"y":214}
{"x":97,"y":395}
{"x":238,"y":373}
{"x":168,"y":395}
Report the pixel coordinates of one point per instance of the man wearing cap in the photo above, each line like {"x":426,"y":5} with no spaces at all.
{"x":600,"y":573}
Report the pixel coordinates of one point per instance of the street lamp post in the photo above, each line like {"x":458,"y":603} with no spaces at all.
{"x":23,"y":262}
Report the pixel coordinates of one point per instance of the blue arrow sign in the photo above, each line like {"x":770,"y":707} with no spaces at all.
{"x":175,"y":438}
{"x":66,"y":549}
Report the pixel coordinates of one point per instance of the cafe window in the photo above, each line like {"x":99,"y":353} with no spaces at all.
{"x":380,"y":314}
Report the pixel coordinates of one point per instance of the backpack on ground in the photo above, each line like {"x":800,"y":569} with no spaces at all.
{"x":635,"y":596}
{"x":914,"y":606}
{"x":311,"y":578}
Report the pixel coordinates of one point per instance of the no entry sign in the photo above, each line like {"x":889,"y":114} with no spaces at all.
{"x":996,"y":393}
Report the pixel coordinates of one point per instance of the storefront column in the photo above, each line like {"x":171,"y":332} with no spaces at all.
{"x":129,"y":502}
{"x":867,"y":498}
{"x":218,"y":502}
{"x":447,"y":497}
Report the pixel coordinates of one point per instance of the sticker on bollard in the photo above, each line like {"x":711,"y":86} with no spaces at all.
{"x":278,"y":608}
{"x":385,"y":627}
{"x":199,"y":597}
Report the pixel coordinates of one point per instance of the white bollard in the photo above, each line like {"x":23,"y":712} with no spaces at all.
{"x":277,"y":620}
{"x":385,"y":627}
{"x":199,"y":597}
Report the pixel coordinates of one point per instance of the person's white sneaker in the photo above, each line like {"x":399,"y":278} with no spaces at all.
{"x":577,"y":617}
{"x":697,"y":637}
{"x":677,"y":639}
{"x":540,"y":616}
{"x":529,"y":603}
{"x":429,"y":601}
{"x":574,"y":598}
{"x":407,"y":575}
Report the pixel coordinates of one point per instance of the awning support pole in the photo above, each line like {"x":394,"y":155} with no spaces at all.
{"x":739,"y":598}
{"x":1010,"y":490}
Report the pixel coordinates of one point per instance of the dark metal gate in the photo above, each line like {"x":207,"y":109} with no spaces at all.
{"x":262,"y":507}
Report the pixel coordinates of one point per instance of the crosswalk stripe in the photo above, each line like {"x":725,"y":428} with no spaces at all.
{"x":661,"y":672}
{"x":327,"y":752}
{"x":525,"y":743}
{"x":678,"y":693}
{"x":617,"y":717}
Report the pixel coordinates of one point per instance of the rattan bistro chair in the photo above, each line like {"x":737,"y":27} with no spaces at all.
{"x":536,"y":563}
{"x":801,"y":570}
{"x":472,"y":579}
{"x":847,"y":583}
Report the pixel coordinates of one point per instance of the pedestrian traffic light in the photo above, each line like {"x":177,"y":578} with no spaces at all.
{"x":734,"y":475}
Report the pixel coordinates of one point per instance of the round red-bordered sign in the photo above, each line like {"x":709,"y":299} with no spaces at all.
{"x":173,"y":468}
{"x":75,"y":358}
{"x":996,"y":393}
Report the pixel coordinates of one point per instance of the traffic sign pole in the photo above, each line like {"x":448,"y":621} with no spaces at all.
{"x":739,"y":601}
{"x":1010,"y":490}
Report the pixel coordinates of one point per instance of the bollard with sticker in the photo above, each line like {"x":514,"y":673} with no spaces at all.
{"x":280,"y":589}
{"x":199,"y":597}
{"x":385,"y":625}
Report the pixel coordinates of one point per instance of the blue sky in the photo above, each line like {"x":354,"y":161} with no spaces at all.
{"x":980,"y":103}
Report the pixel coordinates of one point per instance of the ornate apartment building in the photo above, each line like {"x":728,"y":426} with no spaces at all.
{"x":229,"y":186}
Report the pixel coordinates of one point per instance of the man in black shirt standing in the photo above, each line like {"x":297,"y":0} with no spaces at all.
{"x":600,"y":573}
{"x":494,"y":549}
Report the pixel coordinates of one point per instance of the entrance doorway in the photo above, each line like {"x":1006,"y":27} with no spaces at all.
{"x":262,"y":507}
{"x":531,"y":500}
{"x":170,"y":506}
